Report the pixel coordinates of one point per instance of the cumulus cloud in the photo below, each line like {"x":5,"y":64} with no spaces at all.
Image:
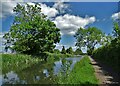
{"x":69,"y":24}
{"x":1,"y":35}
{"x":116,"y":16}
{"x":59,"y":46}
{"x":7,"y":9}
{"x":49,"y":11}
{"x":60,"y":6}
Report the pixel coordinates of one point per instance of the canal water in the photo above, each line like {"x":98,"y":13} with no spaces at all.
{"x":42,"y":73}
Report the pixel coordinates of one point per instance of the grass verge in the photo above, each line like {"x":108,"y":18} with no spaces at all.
{"x":82,"y":73}
{"x":55,"y":56}
{"x":17,"y":62}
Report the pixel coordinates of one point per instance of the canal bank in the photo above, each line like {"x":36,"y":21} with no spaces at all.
{"x":72,"y":70}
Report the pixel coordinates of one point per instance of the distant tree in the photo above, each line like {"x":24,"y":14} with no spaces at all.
{"x":116,"y":30}
{"x":109,"y":38}
{"x":56,"y":51}
{"x":89,"y":37}
{"x":31,"y":32}
{"x":6,"y":49}
{"x":116,"y":33}
{"x":78,"y":51}
{"x":69,"y":50}
{"x":63,"y":50}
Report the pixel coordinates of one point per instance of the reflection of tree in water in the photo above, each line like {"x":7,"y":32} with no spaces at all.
{"x":65,"y":67}
{"x":10,"y":78}
{"x":42,"y":73}
{"x":38,"y":74}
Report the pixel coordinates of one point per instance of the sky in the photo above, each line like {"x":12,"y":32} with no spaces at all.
{"x":68,"y":17}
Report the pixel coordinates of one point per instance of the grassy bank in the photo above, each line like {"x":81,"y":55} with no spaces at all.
{"x":82,"y":73}
{"x":55,"y":56}
{"x":17,"y":62}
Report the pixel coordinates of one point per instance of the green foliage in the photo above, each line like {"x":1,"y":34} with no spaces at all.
{"x":69,"y":50}
{"x":57,"y":51}
{"x":56,"y":56}
{"x":78,"y":52}
{"x":31,"y":32}
{"x":63,"y":50}
{"x":89,"y":37}
{"x":109,"y":53}
{"x":82,"y":73}
{"x":17,"y":62}
{"x":116,"y":31}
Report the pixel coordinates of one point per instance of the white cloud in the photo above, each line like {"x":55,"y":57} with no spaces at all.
{"x":1,"y":34}
{"x":59,"y":46}
{"x":7,"y":8}
{"x":1,"y":41}
{"x":49,"y":11}
{"x":60,"y":6}
{"x":116,"y":16}
{"x":69,"y":24}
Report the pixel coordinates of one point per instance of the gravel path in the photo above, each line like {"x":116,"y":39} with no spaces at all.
{"x":105,"y":75}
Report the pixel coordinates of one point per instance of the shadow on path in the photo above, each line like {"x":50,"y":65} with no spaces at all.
{"x":105,"y":74}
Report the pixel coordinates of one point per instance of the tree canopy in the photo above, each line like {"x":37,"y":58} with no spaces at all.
{"x":78,"y":51}
{"x":110,"y":53}
{"x":116,"y":30}
{"x":89,"y":37}
{"x":31,"y":32}
{"x":63,"y":51}
{"x":69,"y":50}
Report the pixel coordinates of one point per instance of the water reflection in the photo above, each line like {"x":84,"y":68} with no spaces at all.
{"x":44,"y":73}
{"x":0,"y":80}
{"x":10,"y":78}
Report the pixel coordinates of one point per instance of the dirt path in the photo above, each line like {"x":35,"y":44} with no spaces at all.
{"x":105,"y":74}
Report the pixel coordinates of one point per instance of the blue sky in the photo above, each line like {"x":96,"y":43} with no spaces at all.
{"x":98,"y":14}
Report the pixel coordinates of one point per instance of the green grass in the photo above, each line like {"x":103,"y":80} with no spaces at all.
{"x":17,"y":62}
{"x":55,"y":56}
{"x":82,"y":73}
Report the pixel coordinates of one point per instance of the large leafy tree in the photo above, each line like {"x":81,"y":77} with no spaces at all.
{"x":31,"y":32}
{"x":89,"y":37}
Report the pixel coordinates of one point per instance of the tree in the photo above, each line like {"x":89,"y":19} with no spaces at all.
{"x":78,"y":51}
{"x":116,"y":31}
{"x":31,"y":32}
{"x":89,"y":37}
{"x":63,"y":50}
{"x":6,"y":49}
{"x":56,"y":51}
{"x":110,"y":53}
{"x":69,"y":50}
